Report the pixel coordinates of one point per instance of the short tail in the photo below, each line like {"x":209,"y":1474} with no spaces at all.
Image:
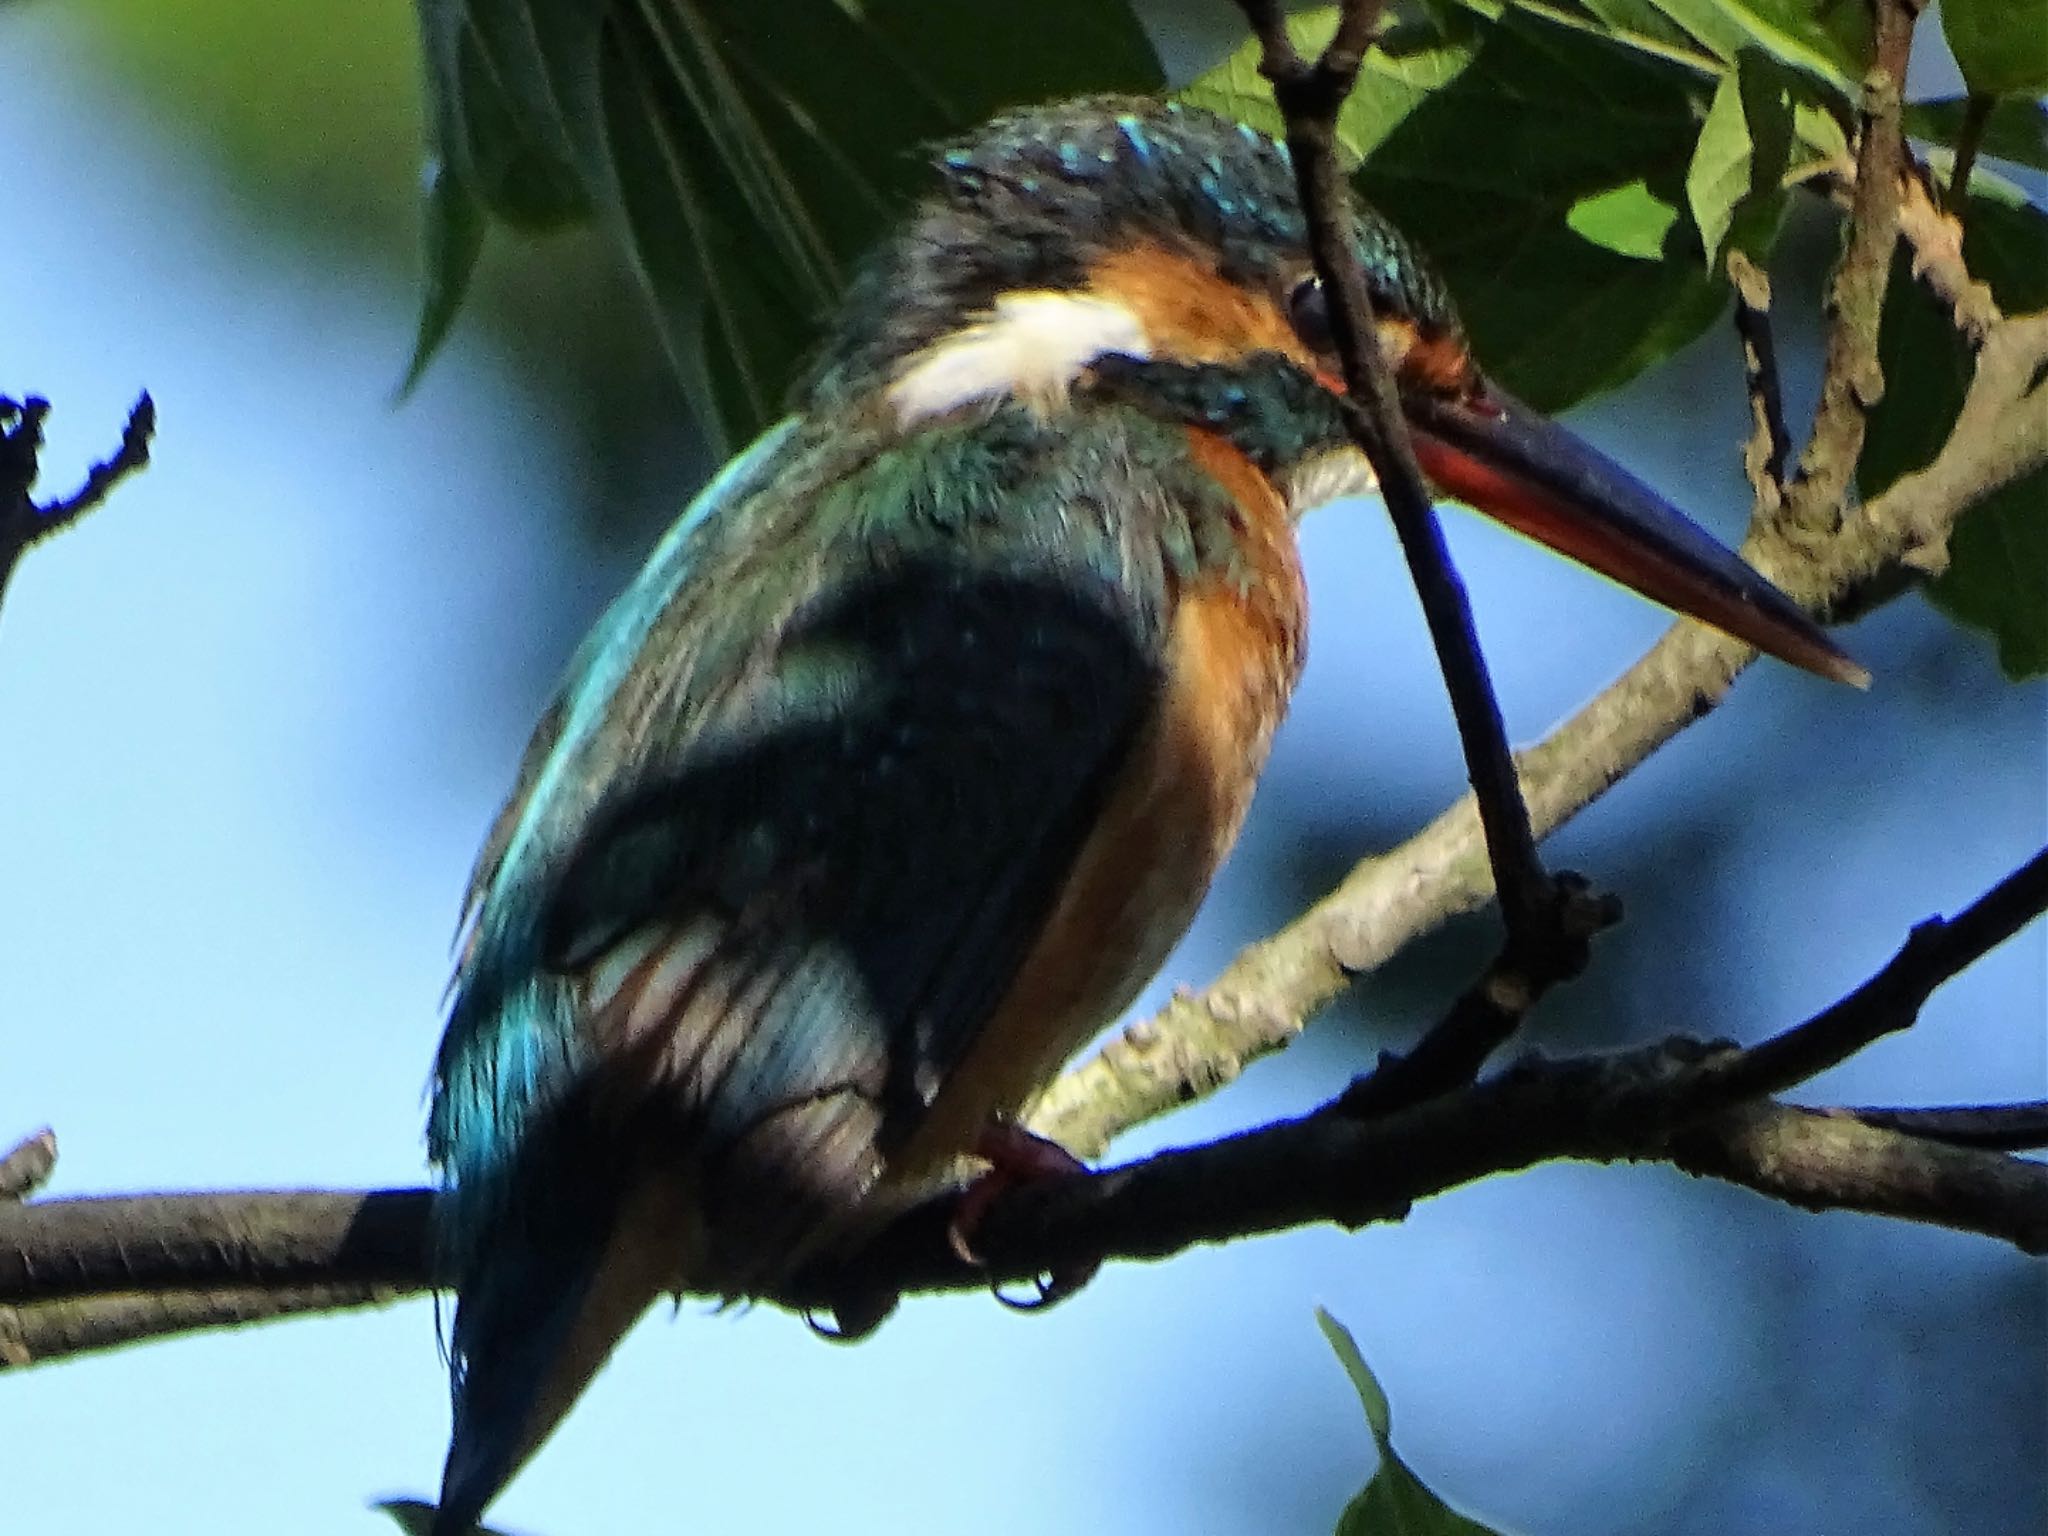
{"x":535,"y":1323}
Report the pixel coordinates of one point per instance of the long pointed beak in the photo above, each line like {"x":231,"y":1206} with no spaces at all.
{"x":1494,"y":453}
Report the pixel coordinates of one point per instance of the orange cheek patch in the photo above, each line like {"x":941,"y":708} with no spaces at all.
{"x":1439,"y":364}
{"x":1191,"y":313}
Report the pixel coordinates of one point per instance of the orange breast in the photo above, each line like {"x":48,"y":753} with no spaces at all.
{"x":1235,"y":650}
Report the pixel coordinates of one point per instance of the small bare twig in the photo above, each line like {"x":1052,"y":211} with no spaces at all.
{"x":1969,"y":139}
{"x":1770,"y":443}
{"x":22,"y":520}
{"x":1934,"y":235}
{"x":1479,"y":1023}
{"x":24,"y":1170}
{"x":1935,"y":952}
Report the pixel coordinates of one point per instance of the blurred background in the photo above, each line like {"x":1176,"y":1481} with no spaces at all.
{"x":256,"y":713}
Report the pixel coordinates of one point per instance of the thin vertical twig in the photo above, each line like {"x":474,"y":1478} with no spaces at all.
{"x":1769,"y":447}
{"x":1969,"y":139}
{"x":1543,"y":940}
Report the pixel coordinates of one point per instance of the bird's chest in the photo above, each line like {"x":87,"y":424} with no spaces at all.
{"x":1234,"y":652}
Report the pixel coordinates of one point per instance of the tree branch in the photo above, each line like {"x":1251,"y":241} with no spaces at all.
{"x":1934,"y":235}
{"x":52,"y":1330}
{"x":1479,"y":1023}
{"x":1853,"y":382}
{"x":1935,"y":952}
{"x":1969,"y":140}
{"x":187,"y":1261}
{"x":22,"y":520}
{"x":1828,"y":1160}
{"x":89,"y":1273}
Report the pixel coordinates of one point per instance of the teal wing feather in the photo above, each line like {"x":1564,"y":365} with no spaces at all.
{"x":511,"y":1042}
{"x":805,"y":800}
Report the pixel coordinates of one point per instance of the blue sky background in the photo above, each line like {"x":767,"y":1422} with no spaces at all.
{"x":256,"y":713}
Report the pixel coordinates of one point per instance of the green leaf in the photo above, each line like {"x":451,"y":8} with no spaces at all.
{"x":1828,"y":42}
{"x":485,"y":80}
{"x":2016,"y":130}
{"x":454,"y":238}
{"x":1820,"y":143}
{"x":1719,"y":173}
{"x":1378,"y":1413}
{"x":1505,"y":192}
{"x":2000,"y":45}
{"x":1742,"y":151}
{"x":1705,"y":36}
{"x":1629,"y":220}
{"x":1421,"y":54}
{"x":1997,"y":579}
{"x":1708,"y":24}
{"x":1395,"y":1502}
{"x":1649,"y":25}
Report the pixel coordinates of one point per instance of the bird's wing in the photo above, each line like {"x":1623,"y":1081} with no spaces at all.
{"x":812,"y":787}
{"x":810,"y":794}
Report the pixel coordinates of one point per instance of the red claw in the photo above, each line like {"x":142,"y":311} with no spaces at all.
{"x":1016,"y":1156}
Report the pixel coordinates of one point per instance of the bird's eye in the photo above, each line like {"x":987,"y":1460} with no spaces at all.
{"x":1308,"y":311}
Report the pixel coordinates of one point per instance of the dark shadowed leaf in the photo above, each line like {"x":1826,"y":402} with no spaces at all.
{"x":1705,"y":36}
{"x":1395,"y":1502}
{"x":2000,"y":45}
{"x":1997,"y":579}
{"x":741,"y":155}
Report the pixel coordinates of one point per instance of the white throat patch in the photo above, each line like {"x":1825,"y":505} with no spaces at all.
{"x":1030,"y":347}
{"x":1331,"y":475}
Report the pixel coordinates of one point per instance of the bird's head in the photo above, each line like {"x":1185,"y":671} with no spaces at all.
{"x":1067,"y":239}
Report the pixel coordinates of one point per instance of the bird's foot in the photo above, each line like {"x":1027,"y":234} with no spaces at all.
{"x":1016,"y":1156}
{"x":852,"y":1317}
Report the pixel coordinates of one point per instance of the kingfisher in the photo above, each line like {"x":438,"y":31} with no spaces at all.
{"x":906,"y":759}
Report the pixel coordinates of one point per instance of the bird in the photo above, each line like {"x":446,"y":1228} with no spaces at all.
{"x":909,"y":754}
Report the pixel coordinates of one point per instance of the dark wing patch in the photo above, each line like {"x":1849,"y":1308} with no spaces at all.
{"x":853,"y":758}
